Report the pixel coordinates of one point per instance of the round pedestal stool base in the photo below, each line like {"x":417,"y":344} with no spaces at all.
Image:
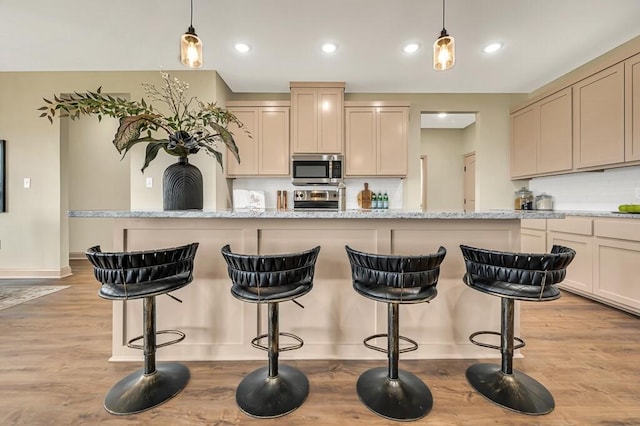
{"x":259,"y":395}
{"x":517,"y":391}
{"x":404,"y":399}
{"x":139,"y":392}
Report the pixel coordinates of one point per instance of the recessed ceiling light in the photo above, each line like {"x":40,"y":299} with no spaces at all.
{"x":442,"y":115}
{"x":329,"y":47}
{"x":242,"y":47}
{"x":411,"y":48}
{"x":493,"y":47}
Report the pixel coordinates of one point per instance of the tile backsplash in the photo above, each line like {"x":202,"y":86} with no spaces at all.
{"x":392,"y":186}
{"x":593,"y":191}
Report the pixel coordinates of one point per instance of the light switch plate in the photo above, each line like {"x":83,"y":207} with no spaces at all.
{"x":27,"y":182}
{"x":149,"y":182}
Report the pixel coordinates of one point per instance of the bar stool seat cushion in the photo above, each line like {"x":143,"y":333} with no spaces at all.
{"x":519,"y":276}
{"x":270,"y":278}
{"x":139,"y":274}
{"x":398,"y":279}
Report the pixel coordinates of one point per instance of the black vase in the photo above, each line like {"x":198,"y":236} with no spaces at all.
{"x":182,"y":186}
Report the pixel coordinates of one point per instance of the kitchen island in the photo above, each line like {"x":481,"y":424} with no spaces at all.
{"x":335,"y":319}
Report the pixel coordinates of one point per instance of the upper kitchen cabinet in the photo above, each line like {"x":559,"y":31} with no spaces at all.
{"x":376,"y":140}
{"x":265,"y":150}
{"x":598,"y":118}
{"x":541,"y":137}
{"x":632,"y":108}
{"x":317,"y":117}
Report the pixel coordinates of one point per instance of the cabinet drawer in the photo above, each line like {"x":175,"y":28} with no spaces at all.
{"x":572,"y":225}
{"x":624,"y":229}
{"x":540,"y":224}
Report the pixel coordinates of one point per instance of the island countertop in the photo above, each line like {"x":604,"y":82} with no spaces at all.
{"x":319,"y":214}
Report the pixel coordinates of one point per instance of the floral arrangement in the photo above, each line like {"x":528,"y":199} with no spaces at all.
{"x":192,"y":125}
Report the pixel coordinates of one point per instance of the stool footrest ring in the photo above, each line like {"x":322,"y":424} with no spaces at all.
{"x":413,"y":347}
{"x":178,"y":333}
{"x":520,"y":344}
{"x":255,"y":342}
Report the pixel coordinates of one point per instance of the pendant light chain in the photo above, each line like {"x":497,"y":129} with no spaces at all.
{"x":442,"y":12}
{"x":191,"y":20}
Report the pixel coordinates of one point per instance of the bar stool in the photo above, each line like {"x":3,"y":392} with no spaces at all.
{"x":390,"y":392}
{"x":513,"y":276}
{"x":145,"y":275}
{"x":272,"y":391}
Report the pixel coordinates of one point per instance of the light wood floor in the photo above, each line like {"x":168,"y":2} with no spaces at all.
{"x":54,"y":370}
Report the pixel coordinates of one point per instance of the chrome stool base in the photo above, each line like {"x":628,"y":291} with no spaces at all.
{"x":259,"y":395}
{"x":139,"y":392}
{"x":406,"y":398}
{"x":516,"y":391}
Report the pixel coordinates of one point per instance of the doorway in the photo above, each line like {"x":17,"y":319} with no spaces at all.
{"x":470,"y":182}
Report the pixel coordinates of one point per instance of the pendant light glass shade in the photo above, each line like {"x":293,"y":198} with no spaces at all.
{"x":444,"y":52}
{"x":191,"y":46}
{"x":191,"y":49}
{"x":444,"y":49}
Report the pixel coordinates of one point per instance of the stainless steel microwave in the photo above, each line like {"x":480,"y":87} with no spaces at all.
{"x":316,"y":169}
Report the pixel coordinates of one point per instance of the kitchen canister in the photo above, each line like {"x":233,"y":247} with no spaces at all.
{"x":523,"y":199}
{"x":544,"y":202}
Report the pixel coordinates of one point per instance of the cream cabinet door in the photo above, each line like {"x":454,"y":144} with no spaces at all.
{"x":580,"y":271}
{"x":304,"y":120}
{"x":376,"y":141}
{"x":392,"y":141}
{"x":524,"y":141}
{"x":266,"y":151}
{"x":247,"y":143}
{"x":555,"y":148}
{"x":330,"y":120}
{"x":576,"y":233}
{"x":274,"y":141}
{"x":317,"y":124}
{"x":632,"y":108}
{"x":616,"y":276}
{"x":598,"y":118}
{"x":360,"y":146}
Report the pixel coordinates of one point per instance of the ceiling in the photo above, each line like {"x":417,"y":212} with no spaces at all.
{"x":543,"y":39}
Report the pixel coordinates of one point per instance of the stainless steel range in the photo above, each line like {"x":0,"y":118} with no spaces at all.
{"x":315,"y":199}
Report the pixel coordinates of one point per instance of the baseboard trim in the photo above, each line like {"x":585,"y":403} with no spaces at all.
{"x":77,"y":255}
{"x":40,"y":273}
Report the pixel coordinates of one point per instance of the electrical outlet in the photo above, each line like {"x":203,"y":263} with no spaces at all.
{"x":27,"y":182}
{"x":149,"y":182}
{"x":638,"y":193}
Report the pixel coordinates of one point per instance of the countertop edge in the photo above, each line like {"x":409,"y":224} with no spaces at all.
{"x":291,"y":214}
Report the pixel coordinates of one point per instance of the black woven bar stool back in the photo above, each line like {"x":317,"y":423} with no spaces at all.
{"x":275,"y":390}
{"x":390,"y":392}
{"x":513,"y":276}
{"x":145,"y":275}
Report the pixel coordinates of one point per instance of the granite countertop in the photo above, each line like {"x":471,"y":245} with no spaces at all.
{"x":297,"y":214}
{"x":612,"y":214}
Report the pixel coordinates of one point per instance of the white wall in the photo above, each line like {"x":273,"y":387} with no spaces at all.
{"x":594,"y":191}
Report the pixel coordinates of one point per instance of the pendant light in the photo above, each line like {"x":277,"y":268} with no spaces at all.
{"x":191,"y":46}
{"x":444,"y":49}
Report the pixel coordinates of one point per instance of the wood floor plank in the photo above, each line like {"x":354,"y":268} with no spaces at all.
{"x":54,"y":370}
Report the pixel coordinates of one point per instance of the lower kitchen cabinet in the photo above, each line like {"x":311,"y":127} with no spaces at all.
{"x":607,"y":256}
{"x":617,"y":257}
{"x":576,"y":233}
{"x":533,"y":235}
